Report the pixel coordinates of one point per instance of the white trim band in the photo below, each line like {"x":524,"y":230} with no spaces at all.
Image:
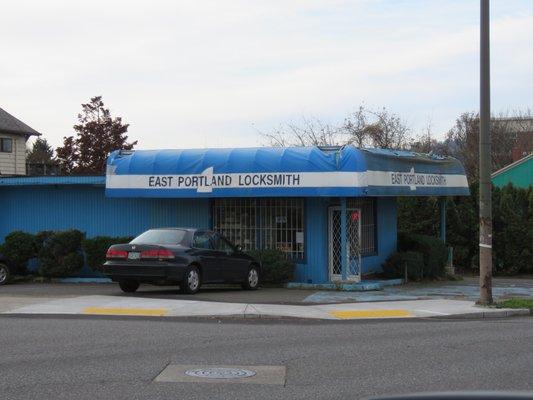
{"x":207,"y":180}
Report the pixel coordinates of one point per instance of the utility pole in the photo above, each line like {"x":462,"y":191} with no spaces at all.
{"x":485,"y":201}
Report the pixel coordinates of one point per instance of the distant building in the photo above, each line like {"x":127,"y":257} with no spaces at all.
{"x":13,"y":137}
{"x":519,"y":173}
{"x":522,"y":127}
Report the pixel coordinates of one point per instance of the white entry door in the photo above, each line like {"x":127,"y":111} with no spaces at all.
{"x":353,"y":244}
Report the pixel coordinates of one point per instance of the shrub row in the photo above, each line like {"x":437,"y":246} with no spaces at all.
{"x":96,"y":248}
{"x":424,"y":257}
{"x":512,"y":211}
{"x":60,"y":253}
{"x":277,"y":268}
{"x":399,"y":263}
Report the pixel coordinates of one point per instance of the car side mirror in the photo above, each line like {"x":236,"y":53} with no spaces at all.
{"x":238,"y":248}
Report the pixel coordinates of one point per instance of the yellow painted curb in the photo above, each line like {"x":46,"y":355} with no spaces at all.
{"x":154,"y":312}
{"x":353,"y":314}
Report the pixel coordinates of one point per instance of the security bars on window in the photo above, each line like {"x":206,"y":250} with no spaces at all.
{"x":262,"y":223}
{"x":368,"y":223}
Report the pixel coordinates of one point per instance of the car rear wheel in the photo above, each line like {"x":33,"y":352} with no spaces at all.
{"x":129,"y":286}
{"x":252,"y":279}
{"x":4,"y":274}
{"x":191,"y":281}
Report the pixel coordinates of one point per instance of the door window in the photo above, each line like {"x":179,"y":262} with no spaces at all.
{"x":202,"y":240}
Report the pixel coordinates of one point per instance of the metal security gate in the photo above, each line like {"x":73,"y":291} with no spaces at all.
{"x":353,"y":244}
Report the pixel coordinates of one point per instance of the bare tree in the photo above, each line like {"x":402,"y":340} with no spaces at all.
{"x":426,"y":143}
{"x":387,"y":131}
{"x":463,"y":139}
{"x":362,"y":128}
{"x":356,"y":127}
{"x":311,"y":132}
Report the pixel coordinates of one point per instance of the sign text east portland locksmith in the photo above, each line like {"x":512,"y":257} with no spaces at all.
{"x":207,"y":180}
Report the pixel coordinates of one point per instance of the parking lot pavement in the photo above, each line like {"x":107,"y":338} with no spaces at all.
{"x":224,"y":293}
{"x":440,"y":299}
{"x":467,"y":289}
{"x":156,"y":307}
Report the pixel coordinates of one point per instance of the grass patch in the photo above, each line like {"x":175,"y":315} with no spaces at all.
{"x":516,"y":303}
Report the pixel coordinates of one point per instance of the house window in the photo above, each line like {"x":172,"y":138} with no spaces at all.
{"x":6,"y":145}
{"x":368,"y":223}
{"x":262,"y":223}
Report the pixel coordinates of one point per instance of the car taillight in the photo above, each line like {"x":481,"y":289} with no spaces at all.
{"x":164,"y":253}
{"x":161,"y":254}
{"x":149,"y":253}
{"x":112,"y":253}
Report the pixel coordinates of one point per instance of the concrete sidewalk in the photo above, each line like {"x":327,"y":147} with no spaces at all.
{"x":135,"y":306}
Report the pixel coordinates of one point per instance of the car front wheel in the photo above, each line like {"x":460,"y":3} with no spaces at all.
{"x":4,"y":274}
{"x":252,"y":279}
{"x":191,"y":281}
{"x":129,"y":286}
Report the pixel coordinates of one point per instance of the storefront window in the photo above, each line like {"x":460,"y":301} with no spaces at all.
{"x":263,"y":223}
{"x":368,"y":223}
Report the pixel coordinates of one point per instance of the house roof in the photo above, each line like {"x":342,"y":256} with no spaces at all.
{"x":10,"y":124}
{"x":512,"y":165}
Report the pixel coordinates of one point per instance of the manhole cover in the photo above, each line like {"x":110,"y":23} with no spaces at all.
{"x":220,"y":373}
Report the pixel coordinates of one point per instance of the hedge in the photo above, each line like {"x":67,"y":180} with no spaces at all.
{"x":61,"y":254}
{"x":397,"y":263}
{"x":19,"y":247}
{"x":512,"y":212}
{"x":277,"y":268}
{"x":95,"y":249}
{"x":433,"y":250}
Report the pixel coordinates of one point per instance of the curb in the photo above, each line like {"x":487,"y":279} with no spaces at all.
{"x":254,"y":316}
{"x":364,"y":286}
{"x":487,"y":314}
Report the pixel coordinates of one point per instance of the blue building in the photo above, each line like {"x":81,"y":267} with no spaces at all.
{"x":333,"y":210}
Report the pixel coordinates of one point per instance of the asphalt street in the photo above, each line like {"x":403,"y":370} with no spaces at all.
{"x":119,"y":358}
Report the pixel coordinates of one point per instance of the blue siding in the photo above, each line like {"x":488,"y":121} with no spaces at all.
{"x":314,"y":269}
{"x":386,"y":234}
{"x":37,"y":208}
{"x":85,"y":207}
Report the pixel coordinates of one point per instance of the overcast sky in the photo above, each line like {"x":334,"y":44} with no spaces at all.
{"x":212,"y":73}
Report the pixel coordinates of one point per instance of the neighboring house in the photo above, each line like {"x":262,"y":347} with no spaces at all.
{"x":13,"y":137}
{"x":519,"y":173}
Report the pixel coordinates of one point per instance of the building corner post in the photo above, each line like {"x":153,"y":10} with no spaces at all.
{"x":344,"y":253}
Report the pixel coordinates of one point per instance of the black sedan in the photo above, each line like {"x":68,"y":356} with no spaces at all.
{"x":5,"y":270}
{"x":186,"y":257}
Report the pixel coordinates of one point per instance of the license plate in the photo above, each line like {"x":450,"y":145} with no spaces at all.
{"x":134,"y":255}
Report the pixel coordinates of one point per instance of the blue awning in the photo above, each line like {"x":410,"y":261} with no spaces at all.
{"x":276,"y":171}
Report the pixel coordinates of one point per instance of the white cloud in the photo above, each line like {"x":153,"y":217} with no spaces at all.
{"x":196,"y":73}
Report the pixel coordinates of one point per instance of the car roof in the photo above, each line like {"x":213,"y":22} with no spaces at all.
{"x":180,"y":228}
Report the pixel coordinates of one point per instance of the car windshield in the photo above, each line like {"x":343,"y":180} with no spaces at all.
{"x":161,"y":236}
